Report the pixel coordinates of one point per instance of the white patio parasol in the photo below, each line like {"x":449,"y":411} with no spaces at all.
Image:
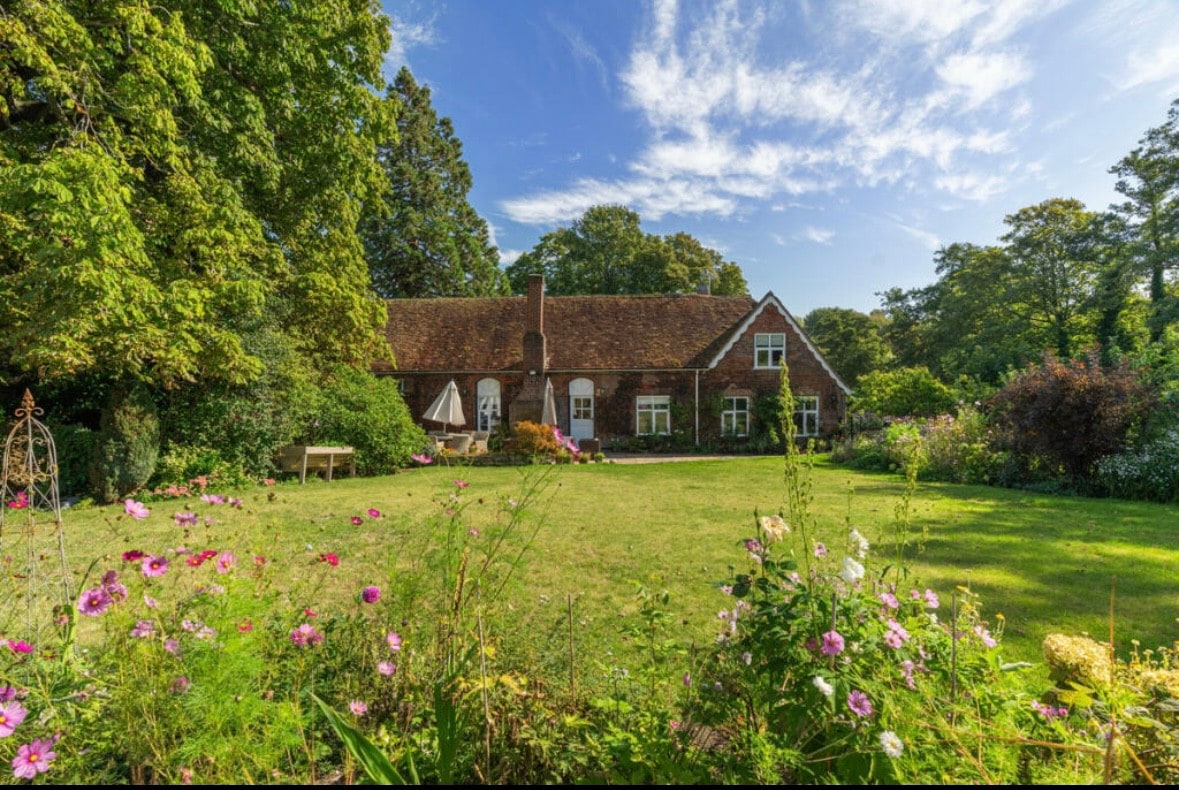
{"x":548,"y":414}
{"x":447,"y":408}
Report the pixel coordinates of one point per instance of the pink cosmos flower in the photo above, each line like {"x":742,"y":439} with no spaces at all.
{"x":226,"y":561}
{"x":94,"y":602}
{"x":20,"y":502}
{"x":931,"y":599}
{"x":143,"y":629}
{"x":357,"y":707}
{"x":132,"y":556}
{"x":330,"y":558}
{"x":11,"y":715}
{"x":259,"y":561}
{"x":155,"y":566}
{"x":374,"y":513}
{"x":371,"y":594}
{"x":234,"y":502}
{"x":893,"y":640}
{"x":896,"y":628}
{"x":357,"y":521}
{"x":185,"y":519}
{"x":309,"y":613}
{"x":246,"y":626}
{"x":180,"y":685}
{"x":20,"y":646}
{"x":195,"y":561}
{"x":135,"y":510}
{"x":7,"y":694}
{"x":473,"y":532}
{"x":820,"y":550}
{"x":394,"y":641}
{"x":386,"y":668}
{"x":33,"y":758}
{"x":306,"y":635}
{"x":859,"y":703}
{"x":462,"y":483}
{"x":907,"y":668}
{"x":985,"y":636}
{"x":832,"y":643}
{"x":268,"y":481}
{"x":422,"y":458}
{"x":213,"y":499}
{"x":172,"y":646}
{"x":889,"y":600}
{"x":115,"y":589}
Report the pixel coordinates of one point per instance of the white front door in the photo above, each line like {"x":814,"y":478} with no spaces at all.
{"x":581,"y":409}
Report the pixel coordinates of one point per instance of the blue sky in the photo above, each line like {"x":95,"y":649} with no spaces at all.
{"x":827,"y":147}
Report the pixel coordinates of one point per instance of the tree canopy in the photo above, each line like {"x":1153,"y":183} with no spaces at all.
{"x":172,"y":171}
{"x":606,"y":252}
{"x":850,"y":340}
{"x":423,"y":238}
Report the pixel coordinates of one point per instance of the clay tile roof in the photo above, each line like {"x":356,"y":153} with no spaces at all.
{"x":581,"y":332}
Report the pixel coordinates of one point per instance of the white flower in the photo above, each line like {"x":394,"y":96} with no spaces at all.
{"x":774,"y":527}
{"x":933,"y":618}
{"x":825,"y":688}
{"x":852,"y":571}
{"x":859,"y":543}
{"x":891,"y":744}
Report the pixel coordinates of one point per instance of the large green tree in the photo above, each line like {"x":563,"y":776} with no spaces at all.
{"x":172,"y":170}
{"x":424,"y":238}
{"x":605,"y":251}
{"x":1148,"y":177}
{"x":850,"y":340}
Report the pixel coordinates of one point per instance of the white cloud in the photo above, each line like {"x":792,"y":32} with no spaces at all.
{"x":732,"y":116}
{"x":818,"y":235}
{"x":1160,"y":64}
{"x":583,"y":51}
{"x":979,"y":77}
{"x":972,"y":186}
{"x":509,"y":256}
{"x":928,"y":240}
{"x":408,"y":34}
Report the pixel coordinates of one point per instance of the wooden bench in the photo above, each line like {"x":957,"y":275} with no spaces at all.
{"x":299,"y":458}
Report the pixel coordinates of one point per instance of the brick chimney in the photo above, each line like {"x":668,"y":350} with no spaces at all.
{"x":529,"y":404}
{"x":534,"y":344}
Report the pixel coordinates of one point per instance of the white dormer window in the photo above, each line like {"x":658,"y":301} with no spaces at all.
{"x":768,"y":350}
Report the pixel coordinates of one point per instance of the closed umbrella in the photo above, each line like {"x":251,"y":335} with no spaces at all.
{"x":447,"y":408}
{"x":548,"y":414}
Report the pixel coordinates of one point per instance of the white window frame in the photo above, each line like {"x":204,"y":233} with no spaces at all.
{"x":658,"y":406}
{"x":768,"y":343}
{"x":488,"y":405}
{"x":735,"y":416}
{"x":806,"y":410}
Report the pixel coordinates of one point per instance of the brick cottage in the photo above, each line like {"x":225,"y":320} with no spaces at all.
{"x":620,"y":366}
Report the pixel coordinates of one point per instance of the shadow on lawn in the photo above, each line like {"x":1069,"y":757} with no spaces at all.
{"x":1047,"y":561}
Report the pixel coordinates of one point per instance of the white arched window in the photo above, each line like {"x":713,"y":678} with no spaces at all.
{"x":487,"y":404}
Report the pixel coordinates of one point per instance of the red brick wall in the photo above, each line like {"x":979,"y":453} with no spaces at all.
{"x":615,"y":393}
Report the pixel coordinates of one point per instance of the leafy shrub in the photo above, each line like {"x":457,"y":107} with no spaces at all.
{"x":128,"y":444}
{"x":75,"y":445}
{"x":368,"y":413}
{"x":246,"y":425}
{"x":906,"y":392}
{"x":1149,"y":472}
{"x":957,"y":448}
{"x":181,"y":465}
{"x":533,"y":438}
{"x":1068,"y":415}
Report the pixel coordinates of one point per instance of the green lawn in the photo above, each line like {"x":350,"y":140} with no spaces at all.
{"x":1045,"y":562}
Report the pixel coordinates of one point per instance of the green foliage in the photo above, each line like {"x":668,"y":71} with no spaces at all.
{"x":368,"y":413}
{"x":1069,"y":415}
{"x":905,"y":392}
{"x":850,"y":340}
{"x":423,"y":238}
{"x":1149,"y":471}
{"x":75,"y":446}
{"x":127,"y":446}
{"x":182,"y":464}
{"x":245,"y":425}
{"x":168,"y":174}
{"x":606,"y":252}
{"x":957,"y":448}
